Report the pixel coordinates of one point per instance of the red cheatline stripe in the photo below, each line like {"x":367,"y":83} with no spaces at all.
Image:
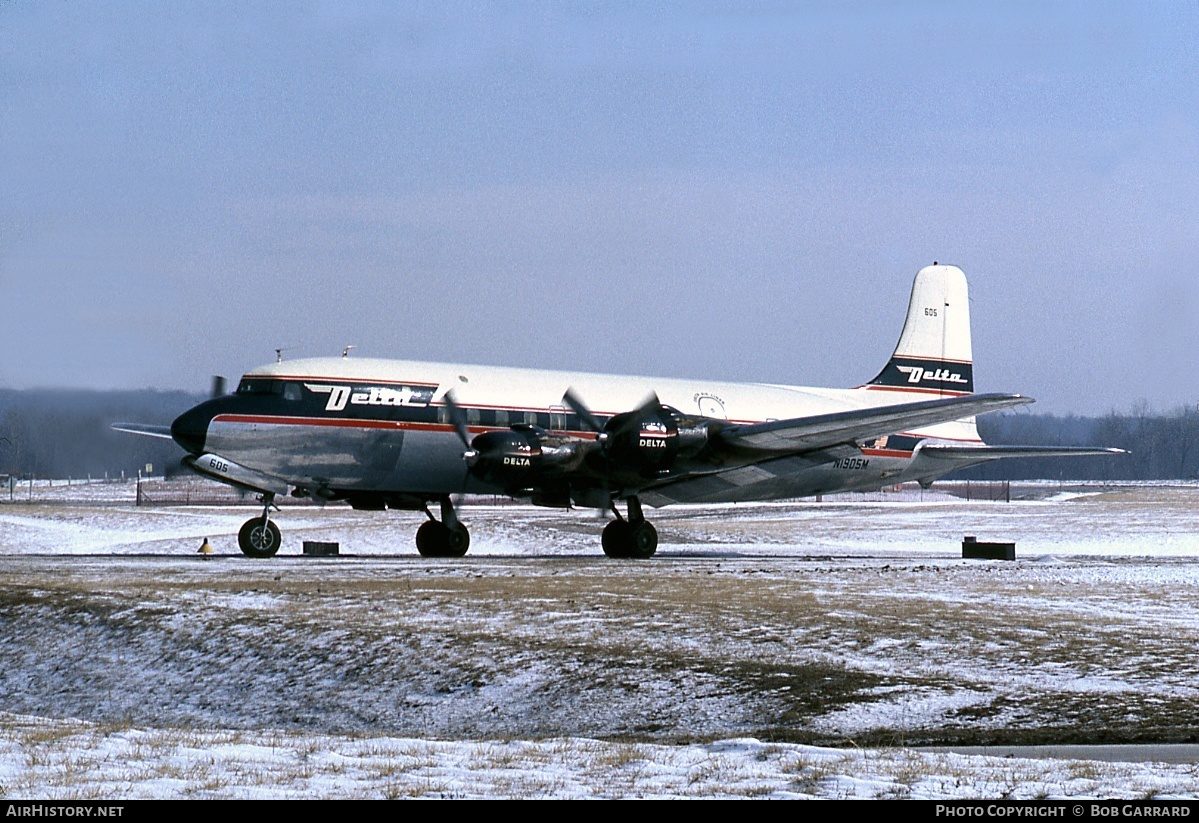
{"x":439,"y":427}
{"x":325,"y":421}
{"x":886,"y":453}
{"x":364,"y":424}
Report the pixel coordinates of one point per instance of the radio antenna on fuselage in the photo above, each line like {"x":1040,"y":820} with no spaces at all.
{"x":346,"y":351}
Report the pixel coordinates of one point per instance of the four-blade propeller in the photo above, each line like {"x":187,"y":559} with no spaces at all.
{"x":621,"y":424}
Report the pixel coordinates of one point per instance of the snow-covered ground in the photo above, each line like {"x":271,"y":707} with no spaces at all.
{"x":1059,"y":520}
{"x":798,"y":649}
{"x":49,"y":759}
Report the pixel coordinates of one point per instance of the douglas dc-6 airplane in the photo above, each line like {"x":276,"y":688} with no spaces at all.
{"x":402,"y":435}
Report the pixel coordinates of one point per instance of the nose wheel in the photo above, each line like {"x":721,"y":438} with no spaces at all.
{"x":634,"y":538}
{"x":259,"y":537}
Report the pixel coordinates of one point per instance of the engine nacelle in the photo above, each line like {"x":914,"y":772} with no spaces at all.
{"x":647,"y":441}
{"x":511,"y":458}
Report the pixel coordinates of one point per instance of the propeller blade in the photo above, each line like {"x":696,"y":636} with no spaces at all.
{"x":458,"y":418}
{"x":650,"y":403}
{"x":632,"y":422}
{"x":218,"y":386}
{"x":580,"y":408}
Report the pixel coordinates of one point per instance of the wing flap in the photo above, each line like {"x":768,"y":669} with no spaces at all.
{"x":821,"y":431}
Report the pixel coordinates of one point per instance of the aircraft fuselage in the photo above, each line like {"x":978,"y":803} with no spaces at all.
{"x":357,"y":427}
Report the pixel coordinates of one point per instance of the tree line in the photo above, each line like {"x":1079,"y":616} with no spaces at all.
{"x":60,"y":433}
{"x":1161,"y":446}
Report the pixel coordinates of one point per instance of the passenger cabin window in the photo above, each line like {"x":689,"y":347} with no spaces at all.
{"x":291,"y":391}
{"x":473,"y":418}
{"x":501,"y":417}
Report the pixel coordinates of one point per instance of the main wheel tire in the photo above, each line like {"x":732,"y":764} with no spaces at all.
{"x":256,"y":541}
{"x":643,"y":541}
{"x":616,"y":538}
{"x":432,"y":539}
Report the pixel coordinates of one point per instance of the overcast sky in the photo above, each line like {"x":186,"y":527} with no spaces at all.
{"x":700,"y":190}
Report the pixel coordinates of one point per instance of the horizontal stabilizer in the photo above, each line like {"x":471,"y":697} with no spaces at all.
{"x":824,"y":430}
{"x":144,"y":429}
{"x":977,"y":454}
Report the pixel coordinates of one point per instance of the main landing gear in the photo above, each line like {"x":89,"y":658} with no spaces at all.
{"x":447,"y":538}
{"x":259,"y":537}
{"x":626,"y":537}
{"x":635,"y":537}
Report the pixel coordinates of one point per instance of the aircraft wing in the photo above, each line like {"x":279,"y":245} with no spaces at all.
{"x":766,"y":461}
{"x":803,"y":434}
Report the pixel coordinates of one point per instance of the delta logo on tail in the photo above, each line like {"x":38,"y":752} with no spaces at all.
{"x":928,"y":375}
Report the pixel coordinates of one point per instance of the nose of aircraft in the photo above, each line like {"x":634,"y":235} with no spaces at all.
{"x":191,"y":428}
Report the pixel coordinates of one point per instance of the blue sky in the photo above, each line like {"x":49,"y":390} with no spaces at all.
{"x":734,"y":191}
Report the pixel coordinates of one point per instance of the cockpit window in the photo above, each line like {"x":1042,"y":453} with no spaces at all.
{"x":258,"y":386}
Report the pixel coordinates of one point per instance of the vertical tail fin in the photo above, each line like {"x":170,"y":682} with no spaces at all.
{"x":933,"y":354}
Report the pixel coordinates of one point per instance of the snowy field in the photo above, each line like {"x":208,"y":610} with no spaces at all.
{"x":785,"y":650}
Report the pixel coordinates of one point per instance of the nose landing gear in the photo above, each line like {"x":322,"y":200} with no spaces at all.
{"x":634,"y":538}
{"x":259,"y":537}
